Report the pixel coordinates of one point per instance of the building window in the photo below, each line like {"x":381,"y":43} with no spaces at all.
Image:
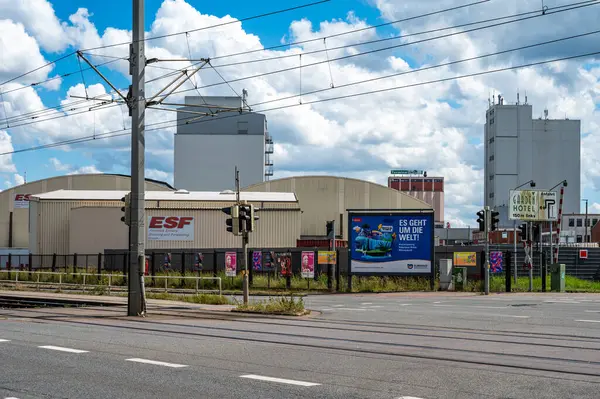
{"x":492,"y":121}
{"x":587,"y":223}
{"x":491,"y":140}
{"x":579,"y":223}
{"x":491,"y":177}
{"x":491,"y":158}
{"x":571,"y":222}
{"x":594,"y":221}
{"x":491,"y":195}
{"x":579,"y":238}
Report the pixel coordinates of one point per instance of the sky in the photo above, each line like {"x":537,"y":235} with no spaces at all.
{"x":407,"y":124}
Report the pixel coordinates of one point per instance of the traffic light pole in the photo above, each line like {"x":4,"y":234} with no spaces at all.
{"x":530,"y":265}
{"x":245,"y":277}
{"x":488,"y":221}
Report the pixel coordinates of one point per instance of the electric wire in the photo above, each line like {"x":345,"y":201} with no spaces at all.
{"x":441,"y":80}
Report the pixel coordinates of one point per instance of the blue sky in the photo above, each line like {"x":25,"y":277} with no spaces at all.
{"x":434,"y":127}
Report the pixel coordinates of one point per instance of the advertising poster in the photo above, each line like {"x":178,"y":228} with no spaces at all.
{"x":198,"y":259}
{"x":327,"y":257}
{"x":170,"y":228}
{"x":464,"y":259}
{"x":284,"y":262}
{"x":268,"y":261}
{"x":230,"y":264}
{"x":496,"y":262}
{"x":391,"y":243}
{"x":257,"y":260}
{"x":167,"y":261}
{"x":308,"y":264}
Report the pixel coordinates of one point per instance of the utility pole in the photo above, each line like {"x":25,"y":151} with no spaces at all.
{"x":530,"y":260}
{"x":515,"y":277}
{"x":136,"y":304}
{"x":488,"y":221}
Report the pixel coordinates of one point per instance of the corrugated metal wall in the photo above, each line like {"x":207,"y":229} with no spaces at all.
{"x":278,"y":226}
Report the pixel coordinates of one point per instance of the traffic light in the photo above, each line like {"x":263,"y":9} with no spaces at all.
{"x":232,"y":222}
{"x":494,"y":220}
{"x":481,"y":220}
{"x":329,"y":227}
{"x":535,"y":232}
{"x":244,"y":217}
{"x":523,"y":231}
{"x":253,"y":217}
{"x":126,"y":209}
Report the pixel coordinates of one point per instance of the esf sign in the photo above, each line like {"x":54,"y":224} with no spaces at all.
{"x":171,"y":228}
{"x":533,"y":205}
{"x":21,"y":201}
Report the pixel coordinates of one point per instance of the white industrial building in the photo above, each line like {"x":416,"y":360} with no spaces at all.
{"x":208,"y":148}
{"x":519,"y":148}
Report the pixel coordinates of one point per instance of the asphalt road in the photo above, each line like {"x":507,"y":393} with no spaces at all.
{"x":355,"y":346}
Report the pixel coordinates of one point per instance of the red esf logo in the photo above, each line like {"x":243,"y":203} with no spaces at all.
{"x":22,"y":197}
{"x":170,"y":222}
{"x":358,"y":220}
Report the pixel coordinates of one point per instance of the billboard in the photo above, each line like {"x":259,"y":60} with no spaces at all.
{"x":230,"y":264}
{"x":391,"y":243}
{"x":21,"y":201}
{"x":533,"y":205}
{"x":327,"y":257}
{"x":170,"y":228}
{"x":284,"y":262}
{"x":496,"y":262}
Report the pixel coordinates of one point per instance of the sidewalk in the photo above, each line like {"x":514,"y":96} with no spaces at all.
{"x":105,"y":300}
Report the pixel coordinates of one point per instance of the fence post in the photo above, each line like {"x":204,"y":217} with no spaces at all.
{"x":125,"y":262}
{"x":544,"y":271}
{"x":330,"y":277}
{"x":182,"y":283}
{"x":53,"y":263}
{"x":30,"y":261}
{"x":74,"y":264}
{"x":508,"y":272}
{"x":9,"y":265}
{"x":99,"y":263}
{"x":251,"y":267}
{"x":338,"y":273}
{"x":482,"y":271}
{"x":152,"y":267}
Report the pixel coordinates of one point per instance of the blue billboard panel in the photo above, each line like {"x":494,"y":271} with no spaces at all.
{"x":391,"y":243}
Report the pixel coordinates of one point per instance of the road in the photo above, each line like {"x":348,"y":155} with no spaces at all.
{"x":354,"y":346}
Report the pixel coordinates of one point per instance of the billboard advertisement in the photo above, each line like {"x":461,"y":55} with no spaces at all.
{"x":533,"y":205}
{"x":308,"y":264}
{"x":395,"y":243}
{"x":230,"y":264}
{"x":327,"y":257}
{"x":170,"y":228}
{"x":496,"y":262}
{"x":21,"y":201}
{"x":257,"y":260}
{"x":284,"y":262}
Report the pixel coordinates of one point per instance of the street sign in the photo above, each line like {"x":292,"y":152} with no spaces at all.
{"x":406,"y":172}
{"x":583,"y":254}
{"x":533,"y":205}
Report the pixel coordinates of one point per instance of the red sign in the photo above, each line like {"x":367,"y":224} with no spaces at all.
{"x":583,"y":254}
{"x":170,"y":228}
{"x":170,"y":222}
{"x":22,"y":201}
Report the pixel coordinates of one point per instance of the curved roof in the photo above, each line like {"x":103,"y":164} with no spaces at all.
{"x":323,"y":198}
{"x":157,"y":182}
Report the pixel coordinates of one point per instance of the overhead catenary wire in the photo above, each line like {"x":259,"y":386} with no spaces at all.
{"x":554,"y":10}
{"x":118,"y":133}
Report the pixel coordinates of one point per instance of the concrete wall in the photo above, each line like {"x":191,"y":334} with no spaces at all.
{"x":323,"y":198}
{"x":20,"y":224}
{"x":93,"y":229}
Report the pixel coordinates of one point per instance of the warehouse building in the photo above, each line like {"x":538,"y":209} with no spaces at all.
{"x":324,"y":198}
{"x":89,"y":222}
{"x":14,"y":202}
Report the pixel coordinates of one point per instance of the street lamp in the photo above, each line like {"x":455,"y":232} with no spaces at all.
{"x":531,"y":184}
{"x":564,"y":184}
{"x":586,"y":219}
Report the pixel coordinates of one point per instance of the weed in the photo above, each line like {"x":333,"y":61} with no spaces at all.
{"x":280,"y":306}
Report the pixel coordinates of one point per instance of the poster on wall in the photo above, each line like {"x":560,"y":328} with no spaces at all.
{"x":391,"y":243}
{"x":170,"y":228}
{"x":198,"y":260}
{"x":308,"y":264}
{"x":21,"y":201}
{"x":464,"y":259}
{"x":496,"y":262}
{"x":268,"y":261}
{"x":257,"y":261}
{"x":327,"y":257}
{"x":230,"y":264}
{"x":284,"y":262}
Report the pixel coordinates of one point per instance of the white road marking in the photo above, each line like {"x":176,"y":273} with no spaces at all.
{"x":409,"y":397}
{"x":61,"y":349}
{"x":367,"y":303}
{"x":156,"y":363}
{"x":357,"y":309}
{"x":338,"y":306}
{"x":405,"y":304}
{"x":11,"y":397}
{"x":589,"y":321}
{"x":374,"y":306}
{"x":281,"y":380}
{"x":509,"y":315}
{"x":326,"y":310}
{"x":592,"y":311}
{"x":4,"y":340}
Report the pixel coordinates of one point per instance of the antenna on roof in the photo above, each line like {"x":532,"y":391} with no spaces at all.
{"x":25,"y":177}
{"x":525,"y":96}
{"x":546,"y":113}
{"x":517,"y":96}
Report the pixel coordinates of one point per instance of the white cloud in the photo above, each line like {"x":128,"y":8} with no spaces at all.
{"x":90,"y":169}
{"x":6,"y":161}
{"x":18,"y":179}
{"x":72,"y":170}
